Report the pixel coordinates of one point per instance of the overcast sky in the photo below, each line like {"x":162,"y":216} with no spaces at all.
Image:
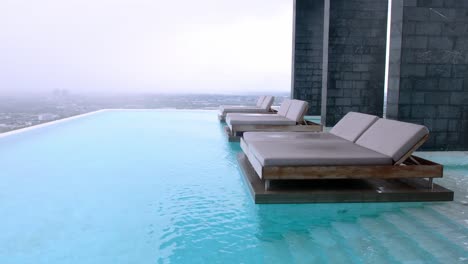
{"x":218,"y":46}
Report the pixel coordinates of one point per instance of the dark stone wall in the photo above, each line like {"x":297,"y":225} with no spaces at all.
{"x":357,"y":44}
{"x":307,"y":59}
{"x":432,"y":85}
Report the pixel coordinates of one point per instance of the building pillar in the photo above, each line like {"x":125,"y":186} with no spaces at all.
{"x":356,"y":58}
{"x":307,"y":53}
{"x":428,"y":69}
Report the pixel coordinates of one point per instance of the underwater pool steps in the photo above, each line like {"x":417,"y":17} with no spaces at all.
{"x":432,"y":241}
{"x":333,"y":246}
{"x":452,"y":211}
{"x":452,"y":232}
{"x":390,"y":237}
{"x":360,"y":245}
{"x":397,"y":243}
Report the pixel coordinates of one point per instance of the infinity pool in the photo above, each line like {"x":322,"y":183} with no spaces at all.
{"x":164,"y":187}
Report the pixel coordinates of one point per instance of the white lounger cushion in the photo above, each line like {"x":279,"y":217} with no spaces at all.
{"x":238,"y":107}
{"x":353,"y":125}
{"x":283,"y":110}
{"x":314,"y":153}
{"x":241,"y":109}
{"x":287,"y":136}
{"x":267,"y":102}
{"x":350,"y":127}
{"x":258,"y":119}
{"x":260,"y":101}
{"x":392,"y":138}
{"x":272,"y":137}
{"x":240,"y":115}
{"x":292,"y":106}
{"x":263,"y":106}
{"x":297,"y":110}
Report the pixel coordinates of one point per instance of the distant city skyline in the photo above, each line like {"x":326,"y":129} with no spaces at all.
{"x":142,"y":46}
{"x":78,"y":92}
{"x":24,"y":111}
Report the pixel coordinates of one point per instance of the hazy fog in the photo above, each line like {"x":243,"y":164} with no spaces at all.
{"x":102,"y":46}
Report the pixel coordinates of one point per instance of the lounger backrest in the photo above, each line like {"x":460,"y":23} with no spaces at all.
{"x":392,"y":138}
{"x":260,"y":100}
{"x":353,"y":125}
{"x":267,"y":102}
{"x":297,"y":110}
{"x":284,"y":107}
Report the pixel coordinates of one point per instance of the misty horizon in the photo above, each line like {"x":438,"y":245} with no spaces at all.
{"x":141,"y":46}
{"x":130,"y":93}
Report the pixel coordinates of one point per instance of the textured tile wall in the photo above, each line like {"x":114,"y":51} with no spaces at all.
{"x":433,"y":77}
{"x":308,"y":50}
{"x":357,"y":45}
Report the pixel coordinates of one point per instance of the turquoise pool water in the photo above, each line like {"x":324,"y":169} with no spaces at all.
{"x":164,"y":187}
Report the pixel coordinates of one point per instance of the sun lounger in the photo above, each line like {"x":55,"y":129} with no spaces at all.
{"x":290,"y":117}
{"x":383,"y":150}
{"x":350,"y":127}
{"x":263,"y":106}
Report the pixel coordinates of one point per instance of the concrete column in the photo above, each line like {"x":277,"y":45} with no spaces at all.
{"x":356,"y":57}
{"x":326,"y":38}
{"x":307,"y":53}
{"x":394,"y":58}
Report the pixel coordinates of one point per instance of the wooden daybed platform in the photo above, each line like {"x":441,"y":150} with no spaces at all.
{"x":263,"y":106}
{"x":362,"y":159}
{"x":289,"y":118}
{"x":343,"y":190}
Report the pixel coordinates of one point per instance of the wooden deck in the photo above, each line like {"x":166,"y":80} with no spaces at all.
{"x":342,"y":190}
